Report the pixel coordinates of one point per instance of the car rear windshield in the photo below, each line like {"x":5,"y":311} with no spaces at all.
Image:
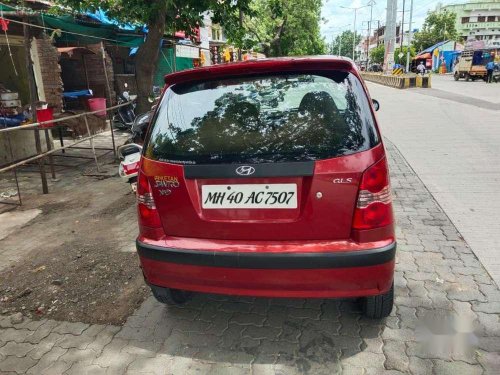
{"x":279,"y":118}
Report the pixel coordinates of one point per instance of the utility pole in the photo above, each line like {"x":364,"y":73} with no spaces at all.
{"x":410,"y":36}
{"x":340,"y":42}
{"x":390,"y":35}
{"x":371,"y":4}
{"x":33,"y":97}
{"x":354,"y":37}
{"x":378,"y":31}
{"x":402,"y":28}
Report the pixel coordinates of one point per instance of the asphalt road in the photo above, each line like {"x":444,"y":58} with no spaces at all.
{"x":477,"y":90}
{"x":450,"y":135}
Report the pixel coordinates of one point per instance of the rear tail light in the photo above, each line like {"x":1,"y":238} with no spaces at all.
{"x":374,"y":205}
{"x":148,"y":214}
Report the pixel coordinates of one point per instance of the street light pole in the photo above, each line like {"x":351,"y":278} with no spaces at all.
{"x":354,"y":36}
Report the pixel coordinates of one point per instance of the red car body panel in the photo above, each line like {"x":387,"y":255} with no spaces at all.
{"x":309,"y":221}
{"x":170,"y":255}
{"x":300,"y":283}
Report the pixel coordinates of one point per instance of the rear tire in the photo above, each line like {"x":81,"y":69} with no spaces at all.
{"x":456,"y":76}
{"x":169,"y":296}
{"x":467,"y":77}
{"x":378,"y":307}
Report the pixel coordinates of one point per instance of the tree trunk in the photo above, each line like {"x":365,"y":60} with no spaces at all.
{"x":146,"y":59}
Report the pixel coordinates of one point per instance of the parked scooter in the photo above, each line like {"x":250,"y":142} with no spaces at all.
{"x":125,"y":116}
{"x":130,"y":156}
{"x":130,"y":152}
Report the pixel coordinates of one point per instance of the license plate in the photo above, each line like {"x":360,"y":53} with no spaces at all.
{"x":249,"y":196}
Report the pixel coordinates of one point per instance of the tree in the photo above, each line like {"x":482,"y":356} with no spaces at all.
{"x":377,"y":54}
{"x":404,"y":50}
{"x":438,"y":26}
{"x":279,"y":27}
{"x":345,"y":41}
{"x":159,"y":16}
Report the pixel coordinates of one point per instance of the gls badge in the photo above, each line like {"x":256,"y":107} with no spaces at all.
{"x":342,"y":180}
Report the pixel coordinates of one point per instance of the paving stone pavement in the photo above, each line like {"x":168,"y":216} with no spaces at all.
{"x":436,"y":273}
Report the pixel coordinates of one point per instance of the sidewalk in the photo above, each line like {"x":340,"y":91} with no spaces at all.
{"x":453,"y":148}
{"x":436,"y":272}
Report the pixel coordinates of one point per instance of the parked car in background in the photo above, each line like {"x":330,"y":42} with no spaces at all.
{"x":267,"y":178}
{"x":375,"y":68}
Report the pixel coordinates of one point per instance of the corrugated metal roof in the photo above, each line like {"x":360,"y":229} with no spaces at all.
{"x":432,"y":48}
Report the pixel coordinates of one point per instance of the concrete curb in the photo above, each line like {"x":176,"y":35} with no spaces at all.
{"x":399,"y":82}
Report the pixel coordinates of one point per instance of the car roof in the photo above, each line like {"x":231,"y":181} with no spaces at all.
{"x":267,"y":65}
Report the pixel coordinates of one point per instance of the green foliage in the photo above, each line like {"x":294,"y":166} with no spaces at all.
{"x":160,"y":16}
{"x":181,"y":14}
{"x":404,"y":50}
{"x":345,"y":41}
{"x":279,"y":27}
{"x":438,"y":26}
{"x":377,"y":54}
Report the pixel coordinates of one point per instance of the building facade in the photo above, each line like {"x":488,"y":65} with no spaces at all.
{"x":478,"y":22}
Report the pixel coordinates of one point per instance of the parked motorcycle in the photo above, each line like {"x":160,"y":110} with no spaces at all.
{"x":139,"y":128}
{"x":125,"y":116}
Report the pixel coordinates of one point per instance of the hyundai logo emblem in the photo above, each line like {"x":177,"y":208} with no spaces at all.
{"x":245,"y":170}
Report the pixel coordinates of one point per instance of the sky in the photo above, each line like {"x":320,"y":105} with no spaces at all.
{"x":338,"y":19}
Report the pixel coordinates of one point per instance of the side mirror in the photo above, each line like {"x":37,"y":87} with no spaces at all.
{"x":376,"y":104}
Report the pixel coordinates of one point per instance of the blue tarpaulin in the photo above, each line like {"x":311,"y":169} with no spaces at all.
{"x":101,"y":16}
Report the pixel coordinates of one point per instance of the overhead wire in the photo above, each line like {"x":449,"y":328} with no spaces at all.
{"x":8,"y":43}
{"x":66,"y":32}
{"x":131,"y":44}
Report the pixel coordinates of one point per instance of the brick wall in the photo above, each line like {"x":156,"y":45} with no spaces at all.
{"x":51,"y":73}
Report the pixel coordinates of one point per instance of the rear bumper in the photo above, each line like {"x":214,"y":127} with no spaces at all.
{"x":304,"y":274}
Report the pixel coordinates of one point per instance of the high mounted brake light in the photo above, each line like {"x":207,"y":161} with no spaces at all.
{"x":374,"y":205}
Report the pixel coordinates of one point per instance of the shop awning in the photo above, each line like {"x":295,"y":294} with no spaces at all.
{"x":423,"y":56}
{"x":91,"y":33}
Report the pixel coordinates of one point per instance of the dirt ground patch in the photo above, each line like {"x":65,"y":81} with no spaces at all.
{"x":78,"y":262}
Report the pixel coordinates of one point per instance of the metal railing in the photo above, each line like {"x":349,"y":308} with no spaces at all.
{"x":41,"y":156}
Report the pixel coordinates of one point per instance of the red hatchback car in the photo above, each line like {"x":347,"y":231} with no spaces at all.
{"x":267,"y":178}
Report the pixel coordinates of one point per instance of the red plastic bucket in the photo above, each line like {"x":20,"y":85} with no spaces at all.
{"x":45,"y":115}
{"x":96,"y":104}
